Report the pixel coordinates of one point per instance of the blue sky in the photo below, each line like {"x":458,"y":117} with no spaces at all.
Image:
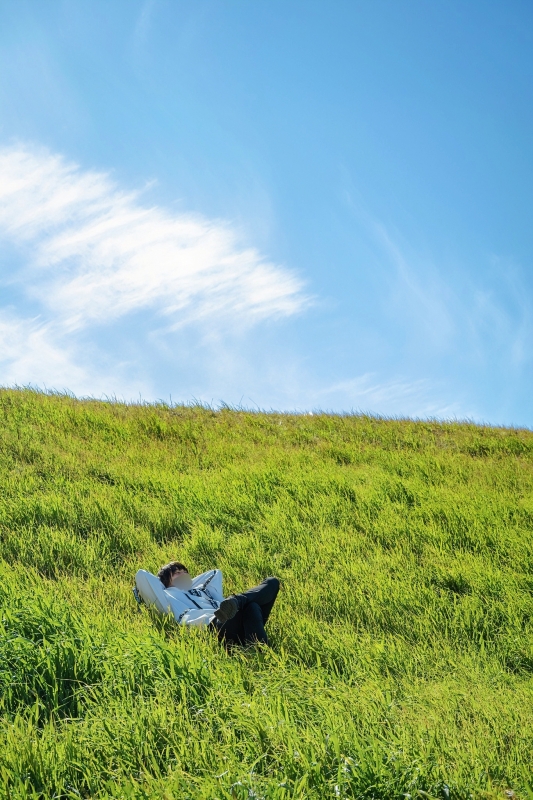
{"x":290,"y":205}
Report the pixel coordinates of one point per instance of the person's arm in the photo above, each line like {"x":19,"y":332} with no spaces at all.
{"x":152,"y":591}
{"x":210,"y":582}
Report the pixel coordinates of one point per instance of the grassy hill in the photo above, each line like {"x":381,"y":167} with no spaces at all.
{"x":402,"y":654}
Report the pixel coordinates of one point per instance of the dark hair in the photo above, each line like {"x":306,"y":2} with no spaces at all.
{"x":165,"y":573}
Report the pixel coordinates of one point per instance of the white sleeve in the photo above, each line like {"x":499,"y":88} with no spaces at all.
{"x":213,"y":583}
{"x":152,"y":591}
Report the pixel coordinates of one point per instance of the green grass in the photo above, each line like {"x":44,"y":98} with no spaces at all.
{"x":402,"y":656}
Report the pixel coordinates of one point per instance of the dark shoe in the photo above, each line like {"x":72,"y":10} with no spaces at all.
{"x":226,"y":610}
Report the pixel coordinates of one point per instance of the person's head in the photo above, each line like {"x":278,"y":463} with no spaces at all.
{"x":170,"y":571}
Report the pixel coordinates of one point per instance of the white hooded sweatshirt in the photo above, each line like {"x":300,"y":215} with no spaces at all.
{"x":196,"y":606}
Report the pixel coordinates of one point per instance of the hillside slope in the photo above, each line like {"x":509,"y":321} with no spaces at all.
{"x":402,"y":654}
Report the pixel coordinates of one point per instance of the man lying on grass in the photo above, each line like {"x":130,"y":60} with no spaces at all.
{"x":238,"y":619}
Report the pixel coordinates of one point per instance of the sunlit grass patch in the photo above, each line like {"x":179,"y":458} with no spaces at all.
{"x":402,"y":658}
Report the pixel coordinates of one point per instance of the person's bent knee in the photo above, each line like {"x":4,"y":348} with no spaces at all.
{"x":273,"y":583}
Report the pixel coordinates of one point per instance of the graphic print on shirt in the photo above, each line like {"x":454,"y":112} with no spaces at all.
{"x":199,"y":593}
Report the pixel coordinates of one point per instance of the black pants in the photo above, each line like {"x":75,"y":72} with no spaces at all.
{"x":248,"y":624}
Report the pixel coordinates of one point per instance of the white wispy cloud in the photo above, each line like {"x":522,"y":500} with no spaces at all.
{"x":97,"y":253}
{"x":418,"y":291}
{"x":28,"y":354}
{"x":368,"y":394}
{"x":91,"y":253}
{"x":478,"y":316}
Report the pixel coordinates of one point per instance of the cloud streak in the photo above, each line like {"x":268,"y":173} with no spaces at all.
{"x":28,"y":354}
{"x":84,"y":255}
{"x":96,"y":253}
{"x":367,"y":394}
